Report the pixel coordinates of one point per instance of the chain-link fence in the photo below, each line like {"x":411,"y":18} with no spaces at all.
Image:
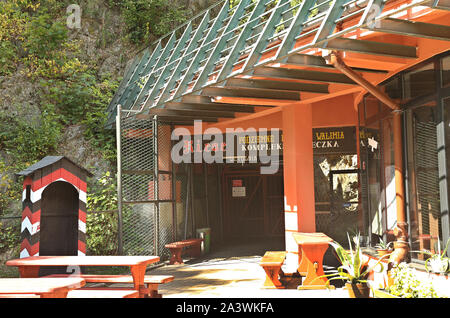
{"x":152,"y":207}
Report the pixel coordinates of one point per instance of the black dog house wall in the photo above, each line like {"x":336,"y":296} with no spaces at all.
{"x":54,"y":208}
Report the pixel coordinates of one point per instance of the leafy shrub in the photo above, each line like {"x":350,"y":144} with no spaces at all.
{"x":10,"y":190}
{"x":101,"y":228}
{"x":9,"y":237}
{"x":146,"y":18}
{"x":26,"y":141}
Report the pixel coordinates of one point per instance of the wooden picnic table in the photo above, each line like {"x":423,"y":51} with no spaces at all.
{"x":44,"y":287}
{"x":311,"y":249}
{"x":29,"y":266}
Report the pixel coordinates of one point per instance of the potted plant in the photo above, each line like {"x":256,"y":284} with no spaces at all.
{"x":354,"y":270}
{"x":406,"y":284}
{"x":383,"y":248}
{"x":437,"y":263}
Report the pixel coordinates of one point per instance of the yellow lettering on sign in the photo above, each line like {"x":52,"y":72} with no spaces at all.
{"x":255,"y":139}
{"x":331,"y":135}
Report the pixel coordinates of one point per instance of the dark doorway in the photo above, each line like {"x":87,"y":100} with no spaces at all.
{"x":59,"y":220}
{"x":336,"y":189}
{"x":253,"y":204}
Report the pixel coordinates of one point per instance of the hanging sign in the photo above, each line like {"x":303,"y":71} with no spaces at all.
{"x":237,"y":183}
{"x":334,"y":140}
{"x":237,"y":147}
{"x":237,"y":192}
{"x":369,"y":138}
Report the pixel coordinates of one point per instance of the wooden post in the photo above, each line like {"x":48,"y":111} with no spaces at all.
{"x":401,"y":231}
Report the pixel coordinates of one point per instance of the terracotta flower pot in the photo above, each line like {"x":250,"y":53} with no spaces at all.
{"x":382,"y":252}
{"x":360,"y":290}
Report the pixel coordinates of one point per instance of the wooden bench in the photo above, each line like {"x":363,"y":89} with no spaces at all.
{"x":29,"y":266}
{"x":151,"y":282}
{"x":193,"y":246}
{"x":271,"y":263}
{"x":87,"y":292}
{"x":20,"y":296}
{"x":42,"y":287}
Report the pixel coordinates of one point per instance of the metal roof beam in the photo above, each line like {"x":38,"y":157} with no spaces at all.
{"x":295,"y":29}
{"x":251,"y":93}
{"x":329,"y":22}
{"x":179,"y":118}
{"x":412,"y":28}
{"x":168,"y":69}
{"x":123,"y":84}
{"x":137,"y":87}
{"x":135,"y":77}
{"x":372,"y":11}
{"x":440,"y":4}
{"x":214,"y":56}
{"x":235,"y":108}
{"x":264,"y":36}
{"x":316,"y":61}
{"x":192,"y":113}
{"x":151,"y":77}
{"x":182,"y":63}
{"x":202,"y":52}
{"x":371,"y":47}
{"x":240,"y":43}
{"x":306,"y":75}
{"x":278,"y":85}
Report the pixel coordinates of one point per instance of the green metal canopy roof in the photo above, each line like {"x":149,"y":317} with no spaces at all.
{"x":178,"y":76}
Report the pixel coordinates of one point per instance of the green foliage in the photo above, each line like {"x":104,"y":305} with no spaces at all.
{"x":9,"y":189}
{"x":355,"y":265}
{"x":9,"y":237}
{"x":35,"y":41}
{"x":34,"y":34}
{"x":26,"y":141}
{"x":8,"y":58}
{"x":147,"y":18}
{"x":102,"y":194}
{"x":101,"y":234}
{"x":96,"y":116}
{"x":439,"y":262}
{"x":13,"y":19}
{"x":382,"y":245}
{"x":101,"y":228}
{"x":44,"y":36}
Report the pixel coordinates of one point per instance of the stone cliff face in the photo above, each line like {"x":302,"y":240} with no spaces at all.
{"x":101,"y":44}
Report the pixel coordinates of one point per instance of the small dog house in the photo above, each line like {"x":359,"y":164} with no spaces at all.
{"x":54,"y":208}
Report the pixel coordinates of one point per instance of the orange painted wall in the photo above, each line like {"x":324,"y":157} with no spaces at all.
{"x":334,"y":112}
{"x":297,"y":121}
{"x":268,"y":119}
{"x":298,"y":165}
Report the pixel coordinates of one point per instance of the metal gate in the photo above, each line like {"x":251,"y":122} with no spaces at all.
{"x":146,"y":195}
{"x":253,"y":204}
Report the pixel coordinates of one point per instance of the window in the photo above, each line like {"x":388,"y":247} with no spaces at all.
{"x":445,"y":67}
{"x":377,"y":171}
{"x":424,"y":216}
{"x":427,"y":178}
{"x":393,"y":88}
{"x":419,"y":82}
